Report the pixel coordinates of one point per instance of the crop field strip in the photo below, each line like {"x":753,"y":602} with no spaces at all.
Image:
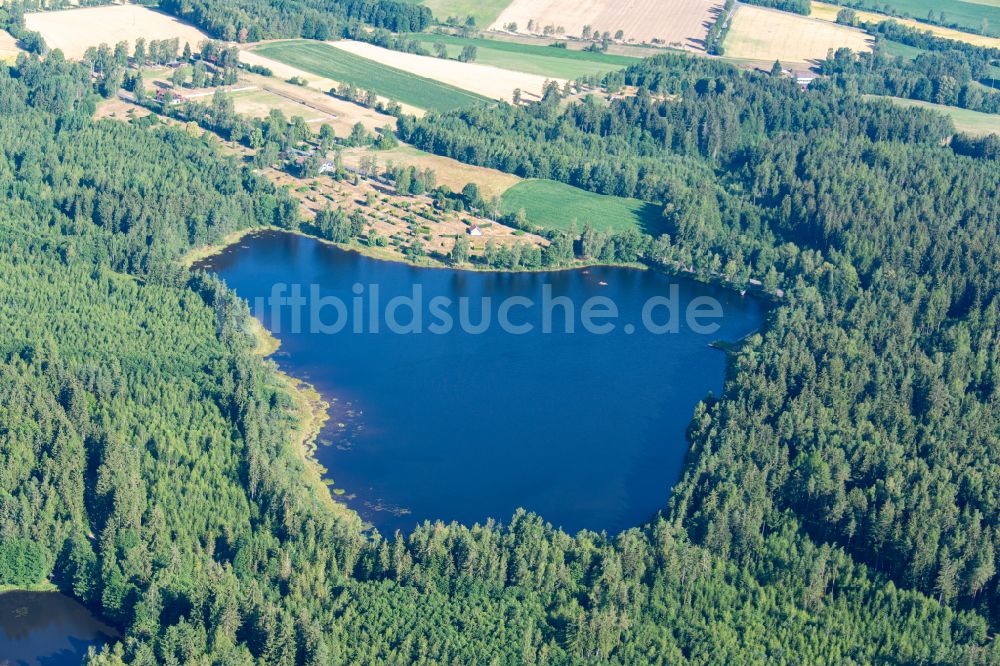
{"x":828,"y":12}
{"x":962,"y":13}
{"x":486,"y":80}
{"x":542,"y":60}
{"x":332,"y":63}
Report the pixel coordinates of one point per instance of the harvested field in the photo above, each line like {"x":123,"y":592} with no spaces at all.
{"x":767,"y":35}
{"x":827,"y":12}
{"x":452,"y":173}
{"x":74,"y":30}
{"x":680,"y":23}
{"x":484,"y":80}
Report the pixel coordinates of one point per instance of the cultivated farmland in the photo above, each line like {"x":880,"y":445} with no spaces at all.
{"x":828,"y":12}
{"x":766,"y":35}
{"x":542,"y":60}
{"x":484,"y":80}
{"x":74,"y":30}
{"x":338,"y":65}
{"x":679,"y":22}
{"x":552,"y":205}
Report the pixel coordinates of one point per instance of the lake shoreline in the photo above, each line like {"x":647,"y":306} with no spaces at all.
{"x":312,"y":415}
{"x":353,"y":465}
{"x":207,"y":252}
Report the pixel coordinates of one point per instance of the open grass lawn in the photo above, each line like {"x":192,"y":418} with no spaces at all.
{"x":905,"y":50}
{"x":972,"y":122}
{"x":543,"y":60}
{"x":324,"y":60}
{"x":828,"y":12}
{"x":553,"y":205}
{"x":484,"y":11}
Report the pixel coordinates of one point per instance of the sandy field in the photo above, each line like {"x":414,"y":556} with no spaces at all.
{"x":454,"y":174}
{"x":825,"y":12}
{"x":764,"y":34}
{"x":312,"y":105}
{"x":74,"y":30}
{"x":675,"y":22}
{"x":484,"y":80}
{"x":8,"y":47}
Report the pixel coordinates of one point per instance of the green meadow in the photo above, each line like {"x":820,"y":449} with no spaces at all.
{"x":974,"y":14}
{"x":552,"y":205}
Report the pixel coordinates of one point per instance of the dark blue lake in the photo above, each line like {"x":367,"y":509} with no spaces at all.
{"x":586,"y":429}
{"x":47,"y":629}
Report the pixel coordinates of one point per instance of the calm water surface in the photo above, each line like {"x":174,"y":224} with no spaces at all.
{"x":585,"y":429}
{"x":47,"y":629}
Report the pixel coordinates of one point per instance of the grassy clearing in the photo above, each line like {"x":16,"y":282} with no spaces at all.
{"x":553,"y":205}
{"x":971,"y":122}
{"x":484,"y":11}
{"x":452,"y":173}
{"x":258,"y":104}
{"x":333,"y":63}
{"x":543,"y":60}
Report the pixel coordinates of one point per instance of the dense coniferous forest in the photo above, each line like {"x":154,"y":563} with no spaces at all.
{"x":868,"y":410}
{"x":253,"y":20}
{"x":838,"y":502}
